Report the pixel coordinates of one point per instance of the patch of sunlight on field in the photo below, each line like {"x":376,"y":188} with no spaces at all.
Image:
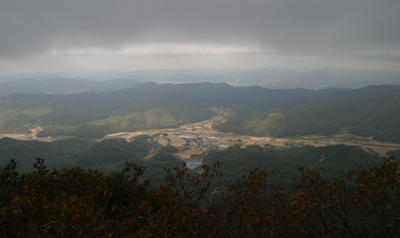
{"x":383,"y":150}
{"x":163,"y":142}
{"x":18,"y":136}
{"x":183,"y":156}
{"x":178,"y":143}
{"x":191,"y":152}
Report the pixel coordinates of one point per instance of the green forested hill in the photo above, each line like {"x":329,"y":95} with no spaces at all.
{"x":16,"y":123}
{"x":152,"y":119}
{"x":282,"y":166}
{"x":377,"y":116}
{"x":62,"y":110}
{"x":395,"y":153}
{"x":111,"y":154}
{"x":105,"y":156}
{"x":240,"y":99}
{"x":25,"y":152}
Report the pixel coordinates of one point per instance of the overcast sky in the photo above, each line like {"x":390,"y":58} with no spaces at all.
{"x":129,"y":35}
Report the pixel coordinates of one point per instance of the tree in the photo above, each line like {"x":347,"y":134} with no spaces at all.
{"x":78,"y":203}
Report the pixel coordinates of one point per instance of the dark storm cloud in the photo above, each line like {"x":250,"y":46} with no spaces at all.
{"x":307,"y":27}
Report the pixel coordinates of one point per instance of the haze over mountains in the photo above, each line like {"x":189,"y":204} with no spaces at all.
{"x":274,"y":78}
{"x":63,"y":86}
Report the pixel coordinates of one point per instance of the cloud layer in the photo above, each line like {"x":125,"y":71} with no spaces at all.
{"x":362,"y":29}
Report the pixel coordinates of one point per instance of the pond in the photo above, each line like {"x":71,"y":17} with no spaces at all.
{"x":193,"y":163}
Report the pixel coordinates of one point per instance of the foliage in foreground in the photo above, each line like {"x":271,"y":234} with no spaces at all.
{"x":80,"y":203}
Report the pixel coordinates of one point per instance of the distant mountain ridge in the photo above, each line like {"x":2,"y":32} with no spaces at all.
{"x":63,"y":86}
{"x":316,"y":79}
{"x":268,"y":77}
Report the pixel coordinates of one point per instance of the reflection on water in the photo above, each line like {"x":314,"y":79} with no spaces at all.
{"x":193,"y":163}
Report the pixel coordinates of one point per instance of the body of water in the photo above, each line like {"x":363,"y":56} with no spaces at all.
{"x":193,"y":163}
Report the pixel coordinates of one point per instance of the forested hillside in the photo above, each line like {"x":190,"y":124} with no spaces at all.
{"x":105,"y":156}
{"x":376,"y":116}
{"x":282,"y":166}
{"x":25,"y":152}
{"x":111,"y":154}
{"x":152,"y":119}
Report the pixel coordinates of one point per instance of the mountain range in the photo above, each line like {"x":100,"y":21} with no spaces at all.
{"x":151,"y":106}
{"x":274,"y":78}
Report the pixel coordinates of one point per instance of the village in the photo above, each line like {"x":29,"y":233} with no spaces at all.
{"x":200,"y":137}
{"x":193,"y":139}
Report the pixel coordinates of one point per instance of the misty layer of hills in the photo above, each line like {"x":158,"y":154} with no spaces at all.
{"x":63,"y":86}
{"x":273,"y":78}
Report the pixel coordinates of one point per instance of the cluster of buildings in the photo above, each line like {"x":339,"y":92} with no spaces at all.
{"x":209,"y":143}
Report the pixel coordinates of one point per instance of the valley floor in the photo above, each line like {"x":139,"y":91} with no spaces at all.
{"x":178,"y":137}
